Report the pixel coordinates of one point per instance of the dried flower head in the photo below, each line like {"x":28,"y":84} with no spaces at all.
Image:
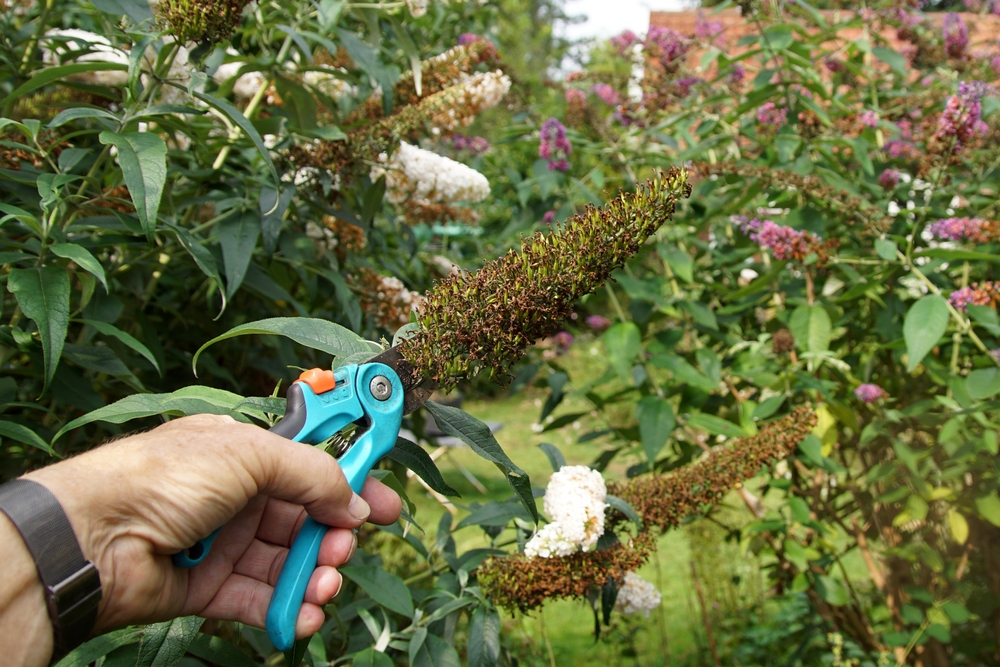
{"x":663,"y":501}
{"x":201,"y":20}
{"x":782,"y":341}
{"x":485,"y":320}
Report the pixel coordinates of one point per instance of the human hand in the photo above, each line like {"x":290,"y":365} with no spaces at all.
{"x":135,"y":502}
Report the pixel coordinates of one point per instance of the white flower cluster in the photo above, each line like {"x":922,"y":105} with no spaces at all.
{"x":574,"y":500}
{"x":475,"y":93}
{"x":637,"y":595}
{"x":330,"y":85}
{"x":415,"y":173}
{"x":57,"y":43}
{"x":417,"y":7}
{"x":247,"y":85}
{"x":401,"y":300}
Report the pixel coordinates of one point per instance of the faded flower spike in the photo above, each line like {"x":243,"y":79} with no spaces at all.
{"x":471,"y":322}
{"x":201,"y":20}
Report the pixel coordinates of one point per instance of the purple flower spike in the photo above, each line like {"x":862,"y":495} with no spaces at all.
{"x":564,"y":340}
{"x":956,"y":35}
{"x":606,"y":94}
{"x":870,"y":393}
{"x":769,"y":114}
{"x":889,"y":179}
{"x":554,"y":146}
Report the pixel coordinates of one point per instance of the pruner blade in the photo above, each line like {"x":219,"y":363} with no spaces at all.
{"x":417,"y":388}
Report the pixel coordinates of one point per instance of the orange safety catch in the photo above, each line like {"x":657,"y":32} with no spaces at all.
{"x":318,"y":379}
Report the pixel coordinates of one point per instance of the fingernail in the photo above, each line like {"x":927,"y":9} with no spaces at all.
{"x":358,"y":508}
{"x":340,"y":585}
{"x":354,"y":547}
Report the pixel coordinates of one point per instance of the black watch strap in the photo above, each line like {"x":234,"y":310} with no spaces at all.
{"x":72,"y":584}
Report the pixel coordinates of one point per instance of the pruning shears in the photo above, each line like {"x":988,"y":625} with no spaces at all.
{"x":373,"y":395}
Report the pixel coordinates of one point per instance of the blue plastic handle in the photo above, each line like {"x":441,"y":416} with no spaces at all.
{"x":385,"y":418}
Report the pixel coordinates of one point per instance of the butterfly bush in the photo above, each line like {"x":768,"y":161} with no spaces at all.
{"x":956,"y":35}
{"x":770,"y":114}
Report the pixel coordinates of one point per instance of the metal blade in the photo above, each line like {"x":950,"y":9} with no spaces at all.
{"x":418,"y":388}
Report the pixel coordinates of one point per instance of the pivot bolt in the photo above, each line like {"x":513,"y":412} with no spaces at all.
{"x":380,"y":387}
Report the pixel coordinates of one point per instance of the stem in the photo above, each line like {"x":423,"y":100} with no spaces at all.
{"x":704,"y":617}
{"x":545,"y":638}
{"x":615,"y":303}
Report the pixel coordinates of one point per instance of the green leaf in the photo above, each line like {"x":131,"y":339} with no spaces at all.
{"x":956,"y":612}
{"x":314,"y":333}
{"x":187,"y":401}
{"x":989,"y":508}
{"x":371,"y":658}
{"x":237,"y":117}
{"x":886,"y":249}
{"x":415,"y":458}
{"x":811,"y":326}
{"x":680,"y":262}
{"x":137,"y":10}
{"x":656,"y":422}
{"x":143,"y":159}
{"x":715,"y":425}
{"x":50,"y":74}
{"x":295,"y":655}
{"x":768,"y":407}
{"x":460,"y":424}
{"x":74,"y":113}
{"x":778,"y":37}
{"x":385,"y":588}
{"x":623,"y":342}
{"x":115,"y":332}
{"x":202,"y":257}
{"x":983,"y":383}
{"x":218,"y":652}
{"x":101,"y":359}
{"x":685,"y":372}
{"x":554,"y":456}
{"x":24,"y":435}
{"x":81,"y":256}
{"x":484,"y":638}
{"x":958,"y":525}
{"x":164,"y":644}
{"x":238,"y":236}
{"x":831,"y":590}
{"x":625,"y":508}
{"x":99,"y":647}
{"x":700,"y":314}
{"x":436,"y":652}
{"x":892,"y":58}
{"x":923,"y":327}
{"x":43,"y":294}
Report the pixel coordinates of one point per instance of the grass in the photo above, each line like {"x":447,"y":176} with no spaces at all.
{"x":562,"y":633}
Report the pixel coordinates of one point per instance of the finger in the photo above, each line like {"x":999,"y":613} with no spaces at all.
{"x":324,"y":584}
{"x":263,"y":561}
{"x":384,"y":502}
{"x":310,"y":620}
{"x":300,"y":474}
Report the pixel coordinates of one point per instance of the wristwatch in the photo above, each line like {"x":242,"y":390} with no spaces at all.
{"x":72,"y":583}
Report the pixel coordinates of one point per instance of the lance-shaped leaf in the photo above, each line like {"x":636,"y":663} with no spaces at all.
{"x":143,"y":158}
{"x":43,"y":295}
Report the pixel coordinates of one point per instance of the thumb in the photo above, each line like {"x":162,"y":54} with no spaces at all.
{"x":303,"y":475}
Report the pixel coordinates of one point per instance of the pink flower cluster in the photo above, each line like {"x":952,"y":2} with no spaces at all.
{"x":956,"y":35}
{"x":784,"y":242}
{"x":598,"y":323}
{"x":467,"y":38}
{"x":564,"y":340}
{"x":707,"y":30}
{"x":554,"y":146}
{"x":666,"y":44}
{"x":769,"y":114}
{"x":625,"y":41}
{"x":869,"y":393}
{"x":685,"y":85}
{"x":833,"y":64}
{"x":868,"y":118}
{"x":889,"y":179}
{"x":476,"y":145}
{"x":978,"y":294}
{"x":606,"y":93}
{"x":962,"y":118}
{"x":575,"y":97}
{"x":549,"y":217}
{"x":958,"y":229}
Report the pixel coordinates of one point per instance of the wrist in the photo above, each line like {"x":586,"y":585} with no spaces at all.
{"x":23,"y":614}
